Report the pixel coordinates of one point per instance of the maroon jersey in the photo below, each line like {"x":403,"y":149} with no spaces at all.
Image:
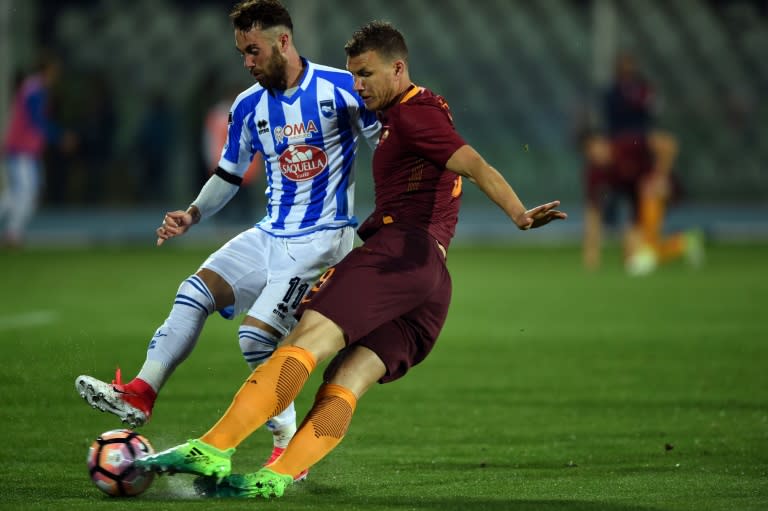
{"x":412,"y":186}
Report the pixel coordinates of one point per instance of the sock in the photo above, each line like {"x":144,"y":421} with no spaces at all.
{"x":672,"y":247}
{"x":176,"y":338}
{"x":266,"y":392}
{"x":257,"y":345}
{"x":651,"y":217}
{"x":283,"y":426}
{"x":322,"y":430}
{"x":143,"y":396}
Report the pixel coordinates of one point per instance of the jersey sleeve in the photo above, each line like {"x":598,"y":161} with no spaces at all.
{"x":369,"y":125}
{"x":238,"y":149}
{"x":362,"y":120}
{"x":428,"y":131}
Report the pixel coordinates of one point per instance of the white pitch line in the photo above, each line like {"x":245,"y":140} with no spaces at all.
{"x":28,"y":319}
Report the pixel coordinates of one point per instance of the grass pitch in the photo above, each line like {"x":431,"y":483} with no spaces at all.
{"x":549,"y":389}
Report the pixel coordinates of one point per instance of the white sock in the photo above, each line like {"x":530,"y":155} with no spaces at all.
{"x":283,"y":426}
{"x":257,"y":346}
{"x":177,"y":337}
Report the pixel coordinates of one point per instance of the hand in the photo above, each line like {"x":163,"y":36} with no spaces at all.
{"x":540,"y":215}
{"x":174,"y":224}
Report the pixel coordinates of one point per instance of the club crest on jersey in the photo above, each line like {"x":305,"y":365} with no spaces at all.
{"x":327,"y":108}
{"x":295,"y":132}
{"x":384,"y":135}
{"x":302,"y":162}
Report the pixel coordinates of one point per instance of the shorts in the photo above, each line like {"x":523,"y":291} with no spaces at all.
{"x":390,"y":295}
{"x":605,"y":192}
{"x":270,"y":275}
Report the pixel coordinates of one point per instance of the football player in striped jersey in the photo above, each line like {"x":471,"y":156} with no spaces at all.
{"x":305,"y":119}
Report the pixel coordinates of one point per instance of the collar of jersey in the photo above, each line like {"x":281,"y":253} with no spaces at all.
{"x":303,"y":83}
{"x":410,"y":92}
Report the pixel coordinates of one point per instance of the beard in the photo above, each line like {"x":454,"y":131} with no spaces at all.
{"x":273,"y":75}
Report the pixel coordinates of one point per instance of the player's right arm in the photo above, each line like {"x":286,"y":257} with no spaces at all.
{"x":215,"y":194}
{"x":468,"y":163}
{"x":236,"y":156}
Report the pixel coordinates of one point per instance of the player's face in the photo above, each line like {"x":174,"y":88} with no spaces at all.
{"x":376,"y":80}
{"x":262,"y":57}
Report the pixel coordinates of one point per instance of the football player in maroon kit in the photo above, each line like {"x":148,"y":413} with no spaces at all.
{"x":380,"y":310}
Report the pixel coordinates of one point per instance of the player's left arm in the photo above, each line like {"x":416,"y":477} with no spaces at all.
{"x":470,"y":164}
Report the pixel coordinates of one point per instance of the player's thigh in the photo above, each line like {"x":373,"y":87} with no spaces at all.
{"x":24,"y":176}
{"x":297,"y":263}
{"x":406,"y":341}
{"x":242,"y":263}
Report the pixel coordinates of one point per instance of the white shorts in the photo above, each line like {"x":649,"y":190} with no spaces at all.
{"x":270,"y":275}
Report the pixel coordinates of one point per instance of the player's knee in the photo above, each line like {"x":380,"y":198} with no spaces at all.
{"x":195,"y":294}
{"x":219,"y":289}
{"x":256,"y":344}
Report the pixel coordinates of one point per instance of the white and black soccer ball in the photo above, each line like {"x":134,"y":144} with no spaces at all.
{"x":110,"y":463}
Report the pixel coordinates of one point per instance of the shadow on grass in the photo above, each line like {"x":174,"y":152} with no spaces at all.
{"x":321,"y":497}
{"x":344,"y":500}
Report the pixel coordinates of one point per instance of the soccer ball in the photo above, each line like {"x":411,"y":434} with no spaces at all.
{"x":110,"y":463}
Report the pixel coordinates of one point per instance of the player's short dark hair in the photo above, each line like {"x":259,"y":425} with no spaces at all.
{"x":378,"y":36}
{"x":260,"y":14}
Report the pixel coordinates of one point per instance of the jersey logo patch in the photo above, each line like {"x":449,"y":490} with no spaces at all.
{"x":384,"y":135}
{"x":295,"y":132}
{"x":327,"y":108}
{"x":302,"y":162}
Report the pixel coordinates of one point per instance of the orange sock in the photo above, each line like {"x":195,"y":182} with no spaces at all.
{"x":651,"y":217}
{"x":672,"y":247}
{"x":268,"y":391}
{"x":322,"y":430}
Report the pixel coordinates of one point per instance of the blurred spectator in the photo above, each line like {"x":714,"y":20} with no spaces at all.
{"x":632,"y":162}
{"x":97,"y":132}
{"x":154,"y":142}
{"x":29,"y":131}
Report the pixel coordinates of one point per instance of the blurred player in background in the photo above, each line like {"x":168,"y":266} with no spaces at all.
{"x":29,"y":131}
{"x":633,"y":161}
{"x":380,"y":310}
{"x":295,"y":107}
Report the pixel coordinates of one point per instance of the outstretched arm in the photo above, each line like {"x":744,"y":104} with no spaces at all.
{"x":468,"y":163}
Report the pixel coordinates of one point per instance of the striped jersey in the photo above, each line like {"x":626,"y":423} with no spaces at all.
{"x":309,"y":143}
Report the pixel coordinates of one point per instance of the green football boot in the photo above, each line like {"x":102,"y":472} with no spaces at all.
{"x":192,"y":457}
{"x":265,"y":483}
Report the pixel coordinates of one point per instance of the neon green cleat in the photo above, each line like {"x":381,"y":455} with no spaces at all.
{"x":694,"y":248}
{"x":192,"y":457}
{"x":264,"y":483}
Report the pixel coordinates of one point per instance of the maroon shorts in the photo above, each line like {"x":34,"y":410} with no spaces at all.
{"x":390,"y":295}
{"x":631,"y":161}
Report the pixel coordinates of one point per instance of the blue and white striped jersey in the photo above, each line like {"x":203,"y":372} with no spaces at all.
{"x":309,"y":144}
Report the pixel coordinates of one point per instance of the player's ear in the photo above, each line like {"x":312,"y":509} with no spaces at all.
{"x":284,"y":41}
{"x":399,"y":67}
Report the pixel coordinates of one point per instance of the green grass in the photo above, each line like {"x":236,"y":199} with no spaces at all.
{"x":550,"y":388}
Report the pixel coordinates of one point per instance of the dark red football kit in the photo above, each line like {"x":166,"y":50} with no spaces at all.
{"x":392,"y":293}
